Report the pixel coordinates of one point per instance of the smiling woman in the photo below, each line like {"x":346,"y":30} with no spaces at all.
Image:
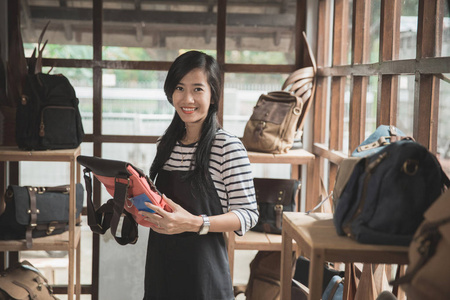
{"x":205,"y":176}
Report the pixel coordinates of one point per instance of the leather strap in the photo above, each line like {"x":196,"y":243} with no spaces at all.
{"x":33,"y":211}
{"x":109,"y":214}
{"x":94,"y":217}
{"x":26,"y":287}
{"x":281,"y":194}
{"x":334,"y":289}
{"x":120,"y":195}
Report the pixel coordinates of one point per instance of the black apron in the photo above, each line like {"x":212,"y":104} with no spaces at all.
{"x":187,"y":265}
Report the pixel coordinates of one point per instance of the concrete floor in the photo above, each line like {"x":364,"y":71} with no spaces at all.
{"x":53,"y":264}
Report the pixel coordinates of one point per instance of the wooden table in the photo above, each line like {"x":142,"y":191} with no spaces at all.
{"x":317,"y":239}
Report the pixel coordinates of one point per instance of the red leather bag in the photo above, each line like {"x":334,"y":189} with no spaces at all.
{"x":130,"y":189}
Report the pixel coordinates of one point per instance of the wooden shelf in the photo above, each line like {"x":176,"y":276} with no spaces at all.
{"x":59,"y":242}
{"x":294,"y":157}
{"x":68,"y":241}
{"x":258,"y":241}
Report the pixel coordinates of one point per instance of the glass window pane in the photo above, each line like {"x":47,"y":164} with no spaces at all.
{"x":134,"y":103}
{"x":260,"y":32}
{"x":443,"y":140}
{"x":82,"y":81}
{"x":241,"y":93}
{"x":349,"y":31}
{"x":69,"y":33}
{"x":371,"y":106}
{"x":405,"y":104}
{"x":445,"y":51}
{"x":146,"y":31}
{"x":141,"y":156}
{"x":374,"y":36}
{"x":408,"y":29}
{"x":346,"y":129}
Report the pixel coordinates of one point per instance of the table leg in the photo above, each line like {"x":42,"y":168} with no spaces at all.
{"x":316,"y":274}
{"x":286,"y":266}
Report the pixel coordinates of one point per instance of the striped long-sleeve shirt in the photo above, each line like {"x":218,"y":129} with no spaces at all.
{"x":231,"y":173}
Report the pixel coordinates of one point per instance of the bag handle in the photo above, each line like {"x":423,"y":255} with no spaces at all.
{"x":109,"y":214}
{"x":35,"y":63}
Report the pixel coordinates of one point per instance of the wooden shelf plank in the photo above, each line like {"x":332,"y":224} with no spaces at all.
{"x":9,"y":153}
{"x":296,"y":157}
{"x":59,"y":242}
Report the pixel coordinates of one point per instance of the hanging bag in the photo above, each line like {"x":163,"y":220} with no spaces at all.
{"x":130,"y":189}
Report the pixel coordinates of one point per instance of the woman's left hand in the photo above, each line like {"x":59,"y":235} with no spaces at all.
{"x":177,"y":221}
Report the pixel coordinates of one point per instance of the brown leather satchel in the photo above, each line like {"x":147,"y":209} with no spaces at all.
{"x":279,"y":116}
{"x":273,"y":124}
{"x":427,"y":275}
{"x":23,"y":281}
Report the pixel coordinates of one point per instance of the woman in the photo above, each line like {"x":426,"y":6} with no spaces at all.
{"x":205,"y":176}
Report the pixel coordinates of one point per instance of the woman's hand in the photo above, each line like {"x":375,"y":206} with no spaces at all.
{"x":177,"y":221}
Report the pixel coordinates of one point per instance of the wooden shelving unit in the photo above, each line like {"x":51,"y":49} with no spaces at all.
{"x":264,"y":241}
{"x":69,"y":240}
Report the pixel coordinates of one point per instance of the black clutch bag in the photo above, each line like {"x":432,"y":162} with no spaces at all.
{"x":30,"y":212}
{"x":274,"y":196}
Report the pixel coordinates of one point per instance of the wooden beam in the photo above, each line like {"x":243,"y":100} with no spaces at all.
{"x":426,"y":100}
{"x":434,"y":65}
{"x":360,"y":38}
{"x":389,"y":49}
{"x":300,"y":25}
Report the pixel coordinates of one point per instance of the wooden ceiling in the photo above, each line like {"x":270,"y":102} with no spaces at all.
{"x":251,"y":24}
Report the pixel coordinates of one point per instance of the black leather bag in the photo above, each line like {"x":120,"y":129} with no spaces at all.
{"x":274,"y":196}
{"x":31,"y":212}
{"x":385,"y":196}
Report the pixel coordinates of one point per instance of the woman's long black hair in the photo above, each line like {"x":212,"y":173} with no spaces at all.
{"x":176,"y":130}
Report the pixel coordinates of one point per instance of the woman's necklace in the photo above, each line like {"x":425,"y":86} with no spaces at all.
{"x":183,"y":155}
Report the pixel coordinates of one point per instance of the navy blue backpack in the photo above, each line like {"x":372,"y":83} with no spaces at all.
{"x":387,"y":193}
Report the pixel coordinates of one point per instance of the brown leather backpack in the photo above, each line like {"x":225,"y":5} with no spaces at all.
{"x":24,"y":281}
{"x":278,"y":117}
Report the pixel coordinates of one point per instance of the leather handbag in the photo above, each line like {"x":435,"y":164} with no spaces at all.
{"x":130,"y":189}
{"x":278,"y":117}
{"x":30,"y":212}
{"x":273,"y":124}
{"x":23,"y":281}
{"x":274,"y":196}
{"x":429,"y":267}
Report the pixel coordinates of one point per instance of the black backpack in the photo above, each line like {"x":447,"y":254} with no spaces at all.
{"x":387,"y":193}
{"x":48,"y":116}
